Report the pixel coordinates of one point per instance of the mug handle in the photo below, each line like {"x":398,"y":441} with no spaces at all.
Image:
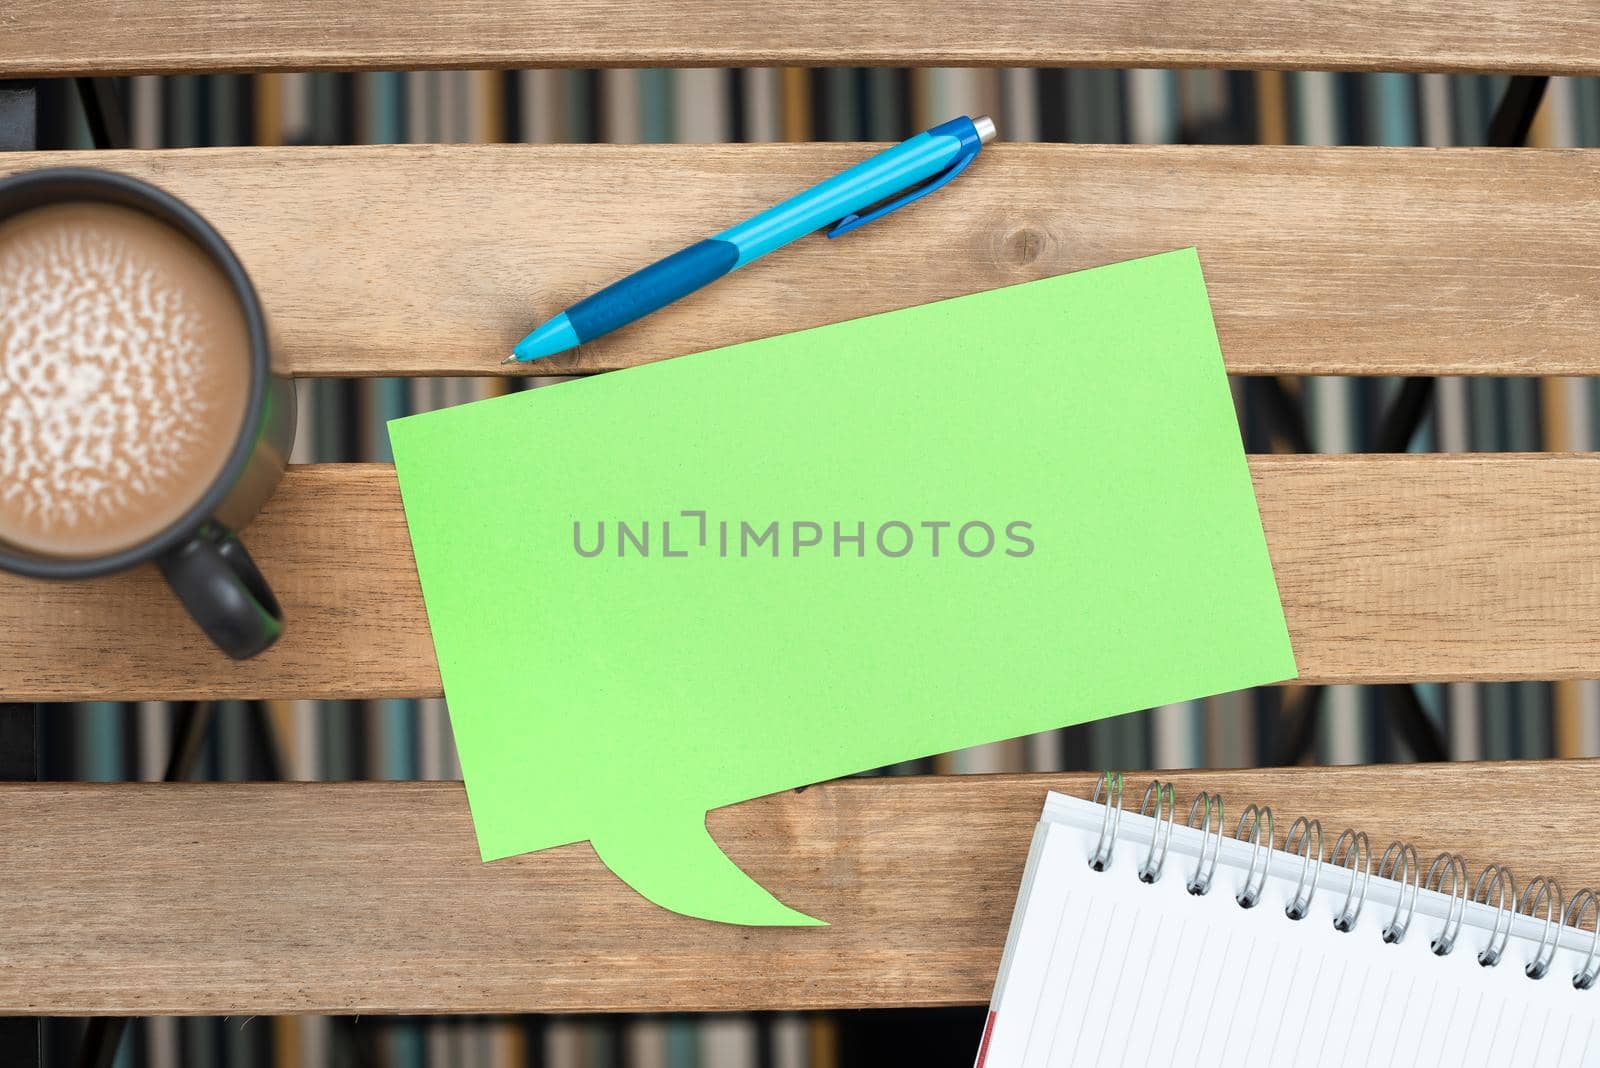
{"x":223,"y":590}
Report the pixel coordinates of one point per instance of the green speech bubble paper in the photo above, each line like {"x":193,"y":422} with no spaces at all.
{"x":688,"y":584}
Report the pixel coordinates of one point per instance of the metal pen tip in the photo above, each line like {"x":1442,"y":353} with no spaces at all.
{"x":509,"y":360}
{"x":985,"y":127}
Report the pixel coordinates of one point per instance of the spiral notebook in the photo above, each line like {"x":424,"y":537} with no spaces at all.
{"x":1138,"y":940}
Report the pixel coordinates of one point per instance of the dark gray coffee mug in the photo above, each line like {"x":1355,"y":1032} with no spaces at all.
{"x":206,"y":565}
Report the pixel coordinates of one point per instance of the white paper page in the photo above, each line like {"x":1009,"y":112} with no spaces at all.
{"x":1107,"y":970}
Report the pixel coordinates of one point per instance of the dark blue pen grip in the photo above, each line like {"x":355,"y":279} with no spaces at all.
{"x":652,"y":287}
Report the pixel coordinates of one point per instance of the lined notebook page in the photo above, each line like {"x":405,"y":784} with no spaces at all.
{"x":1102,"y":969}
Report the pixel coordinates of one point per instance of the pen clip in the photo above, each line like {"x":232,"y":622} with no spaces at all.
{"x":856,"y":220}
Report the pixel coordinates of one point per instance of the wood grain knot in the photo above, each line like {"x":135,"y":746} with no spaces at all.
{"x":1023,"y":246}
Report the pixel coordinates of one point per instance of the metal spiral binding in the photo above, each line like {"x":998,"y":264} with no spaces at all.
{"x":1354,"y":850}
{"x":1304,"y":836}
{"x":1254,"y":882}
{"x":1211,"y":831}
{"x":1111,"y":782}
{"x":1161,"y":793}
{"x":1581,"y":902}
{"x":1496,"y":877}
{"x":1406,"y":871}
{"x":1495,"y":885}
{"x":1545,"y":890}
{"x":1456,"y":865}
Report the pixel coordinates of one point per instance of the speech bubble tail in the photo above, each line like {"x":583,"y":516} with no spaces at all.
{"x":675,"y":863}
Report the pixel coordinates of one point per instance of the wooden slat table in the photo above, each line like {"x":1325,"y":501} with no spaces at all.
{"x":430,"y":260}
{"x":1318,"y":261}
{"x":174,"y":36}
{"x":277,"y":898}
{"x":1434,"y":568}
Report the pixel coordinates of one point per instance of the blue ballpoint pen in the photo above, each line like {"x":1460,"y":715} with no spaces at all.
{"x":847,"y":201}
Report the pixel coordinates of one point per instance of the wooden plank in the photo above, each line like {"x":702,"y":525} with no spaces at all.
{"x":369,"y":897}
{"x":434,"y":260}
{"x":1422,"y":568}
{"x":48,"y":37}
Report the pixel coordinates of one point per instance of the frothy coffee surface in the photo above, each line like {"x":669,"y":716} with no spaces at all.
{"x":124,"y":375}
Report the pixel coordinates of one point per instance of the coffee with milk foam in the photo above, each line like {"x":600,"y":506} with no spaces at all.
{"x":124,"y":378}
